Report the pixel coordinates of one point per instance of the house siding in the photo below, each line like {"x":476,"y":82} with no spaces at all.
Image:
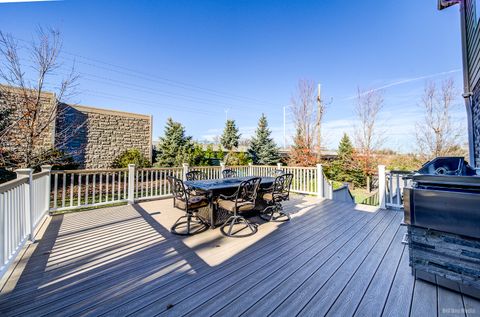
{"x":473,"y":42}
{"x":476,"y":123}
{"x":472,"y":68}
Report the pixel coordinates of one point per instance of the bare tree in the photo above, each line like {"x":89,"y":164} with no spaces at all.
{"x":437,"y":134}
{"x":34,"y":110}
{"x":369,"y":103}
{"x":307,"y":125}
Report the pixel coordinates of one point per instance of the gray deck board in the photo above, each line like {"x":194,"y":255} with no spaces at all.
{"x":376,"y":295}
{"x":424,"y":302}
{"x":331,"y":258}
{"x":347,"y":302}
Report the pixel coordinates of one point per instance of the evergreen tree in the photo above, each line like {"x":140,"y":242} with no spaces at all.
{"x":344,"y":168}
{"x":209,"y":153}
{"x":230,"y":136}
{"x":175,"y":147}
{"x":345,"y":149}
{"x":263,"y":149}
{"x":199,"y":156}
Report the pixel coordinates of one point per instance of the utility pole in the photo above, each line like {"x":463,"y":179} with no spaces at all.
{"x":226,"y":115}
{"x":319,"y":121}
{"x":284,"y":128}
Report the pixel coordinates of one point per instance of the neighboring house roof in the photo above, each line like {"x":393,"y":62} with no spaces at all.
{"x":442,"y":4}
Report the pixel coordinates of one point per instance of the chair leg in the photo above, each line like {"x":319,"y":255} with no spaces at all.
{"x":188,"y":222}
{"x":237,"y":220}
{"x":268,"y":214}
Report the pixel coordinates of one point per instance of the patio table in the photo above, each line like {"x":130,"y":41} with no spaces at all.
{"x":216,"y":187}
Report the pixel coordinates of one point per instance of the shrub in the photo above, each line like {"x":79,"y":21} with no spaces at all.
{"x":132,"y":156}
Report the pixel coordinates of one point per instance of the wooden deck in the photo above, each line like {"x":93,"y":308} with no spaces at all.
{"x":330,"y":259}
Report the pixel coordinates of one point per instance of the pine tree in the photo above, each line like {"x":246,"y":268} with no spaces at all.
{"x":230,"y":136}
{"x":263,"y":149}
{"x":344,"y":168}
{"x":175,"y":147}
{"x":345,"y":149}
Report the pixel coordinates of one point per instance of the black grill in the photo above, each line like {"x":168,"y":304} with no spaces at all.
{"x":445,"y":196}
{"x":442,"y":212}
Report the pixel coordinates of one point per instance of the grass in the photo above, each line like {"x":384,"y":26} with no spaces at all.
{"x":68,"y":211}
{"x":360,"y":194}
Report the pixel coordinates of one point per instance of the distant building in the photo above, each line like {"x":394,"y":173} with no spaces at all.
{"x":94,"y":137}
{"x":470,"y":27}
{"x":103,"y":134}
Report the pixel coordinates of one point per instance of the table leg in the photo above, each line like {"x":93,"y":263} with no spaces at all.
{"x":212,"y":207}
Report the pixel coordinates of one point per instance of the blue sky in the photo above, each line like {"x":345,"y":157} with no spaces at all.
{"x":191,"y":60}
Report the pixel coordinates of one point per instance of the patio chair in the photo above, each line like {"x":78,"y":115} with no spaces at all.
{"x":183,"y":200}
{"x":242,"y":201}
{"x":228,"y":173}
{"x":195,"y":176}
{"x":274,"y":196}
{"x":277,"y":173}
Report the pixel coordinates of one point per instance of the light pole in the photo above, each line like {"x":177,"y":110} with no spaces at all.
{"x":284,"y":127}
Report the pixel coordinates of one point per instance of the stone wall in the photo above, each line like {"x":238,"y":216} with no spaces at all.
{"x":99,"y":135}
{"x":476,"y":123}
{"x":23,"y":104}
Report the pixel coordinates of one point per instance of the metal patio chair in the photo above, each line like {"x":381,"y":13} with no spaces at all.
{"x":195,"y":176}
{"x":229,"y":173}
{"x":274,"y":196}
{"x":183,"y":200}
{"x":242,"y":201}
{"x":277,"y":173}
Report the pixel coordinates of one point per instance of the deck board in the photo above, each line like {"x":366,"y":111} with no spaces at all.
{"x":332,"y":257}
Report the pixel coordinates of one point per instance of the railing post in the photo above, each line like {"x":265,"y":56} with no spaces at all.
{"x":185,"y":171}
{"x":250,"y":169}
{"x":131,"y":184}
{"x":381,"y":186}
{"x":48,"y":182}
{"x":27,"y":172}
{"x":222,"y":168}
{"x":279,"y":166}
{"x":320,"y":181}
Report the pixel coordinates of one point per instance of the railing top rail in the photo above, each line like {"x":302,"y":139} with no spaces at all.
{"x":12,"y":184}
{"x":159,"y":168}
{"x":91,"y":171}
{"x":40,"y":174}
{"x":206,"y":167}
{"x":296,"y":167}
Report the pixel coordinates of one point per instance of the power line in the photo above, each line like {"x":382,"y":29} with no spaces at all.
{"x":171,"y":81}
{"x":152,"y":91}
{"x":174,"y":84}
{"x":168,"y":81}
{"x":149,"y":103}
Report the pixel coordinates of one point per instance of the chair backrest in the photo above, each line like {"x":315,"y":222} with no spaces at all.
{"x":178,"y":189}
{"x":247,"y":190}
{"x":195,"y":176}
{"x":278,"y":172}
{"x":228,"y":173}
{"x":282,"y":184}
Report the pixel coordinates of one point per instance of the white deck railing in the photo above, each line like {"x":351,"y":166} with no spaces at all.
{"x":23,"y":204}
{"x":27,"y":199}
{"x":73,"y":189}
{"x":390,"y":188}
